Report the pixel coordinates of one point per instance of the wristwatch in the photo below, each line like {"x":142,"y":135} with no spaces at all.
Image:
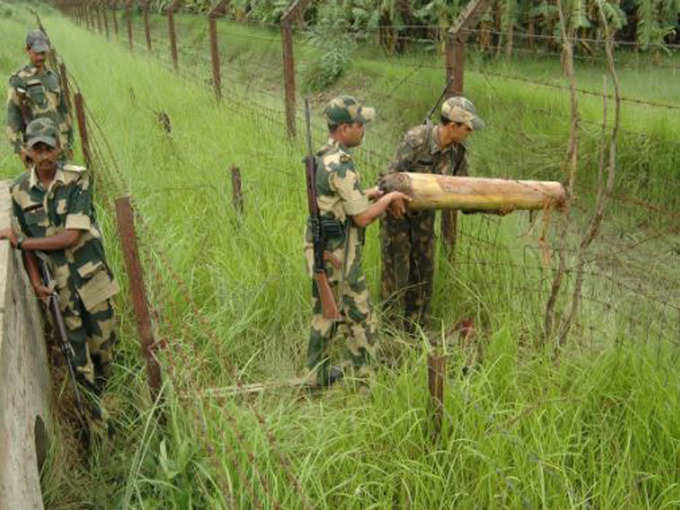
{"x":20,"y":242}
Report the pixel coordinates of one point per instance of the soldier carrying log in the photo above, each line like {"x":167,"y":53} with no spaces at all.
{"x":408,"y":242}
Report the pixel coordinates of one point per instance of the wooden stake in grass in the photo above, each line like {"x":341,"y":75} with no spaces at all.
{"x":432,"y":191}
{"x":436,"y":371}
{"x":236,"y":189}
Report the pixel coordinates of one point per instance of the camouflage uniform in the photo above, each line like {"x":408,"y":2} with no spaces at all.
{"x":408,"y":243}
{"x":34,"y":94}
{"x":84,"y":281}
{"x":339,"y":197}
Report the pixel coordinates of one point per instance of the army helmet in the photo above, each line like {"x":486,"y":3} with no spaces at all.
{"x":43,"y":130}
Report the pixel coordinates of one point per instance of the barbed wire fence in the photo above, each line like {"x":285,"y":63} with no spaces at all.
{"x":627,"y":297}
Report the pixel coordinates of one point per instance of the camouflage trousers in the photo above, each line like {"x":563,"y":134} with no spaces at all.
{"x":91,"y":334}
{"x":358,"y":322}
{"x":408,"y":268}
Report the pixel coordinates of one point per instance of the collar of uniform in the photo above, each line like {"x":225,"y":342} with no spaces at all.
{"x":34,"y":70}
{"x":34,"y":182}
{"x":434,"y":143}
{"x":332,"y":142}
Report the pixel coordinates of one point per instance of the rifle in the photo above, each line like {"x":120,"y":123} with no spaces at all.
{"x":328,"y":305}
{"x":436,"y":105}
{"x":64,"y":346}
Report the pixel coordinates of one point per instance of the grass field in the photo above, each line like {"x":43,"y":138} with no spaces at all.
{"x":597,"y":429}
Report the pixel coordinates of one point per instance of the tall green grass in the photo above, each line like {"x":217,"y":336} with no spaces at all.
{"x":598,"y":429}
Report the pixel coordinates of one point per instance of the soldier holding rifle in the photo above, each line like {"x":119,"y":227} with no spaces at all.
{"x":339,"y":212}
{"x":53,"y":217}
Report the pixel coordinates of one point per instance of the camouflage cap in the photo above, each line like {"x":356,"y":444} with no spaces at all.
{"x":37,"y":41}
{"x":41,"y":130}
{"x":461,"y":109}
{"x":346,"y":110}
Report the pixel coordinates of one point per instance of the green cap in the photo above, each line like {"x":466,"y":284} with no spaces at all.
{"x":346,"y":110}
{"x":37,"y":41}
{"x":41,"y":130}
{"x":461,"y":109}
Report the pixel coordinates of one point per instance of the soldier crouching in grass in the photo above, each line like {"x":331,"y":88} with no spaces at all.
{"x":345,"y":210}
{"x":53,"y":218}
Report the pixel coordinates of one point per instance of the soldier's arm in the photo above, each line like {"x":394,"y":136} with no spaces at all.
{"x":356,"y":202}
{"x":15,"y":121}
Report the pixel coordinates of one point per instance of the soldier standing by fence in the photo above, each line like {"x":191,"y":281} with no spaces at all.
{"x":408,"y":242}
{"x":35,"y":91}
{"x":345,"y":210}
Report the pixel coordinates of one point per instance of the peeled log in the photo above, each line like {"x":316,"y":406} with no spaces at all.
{"x":433,"y":191}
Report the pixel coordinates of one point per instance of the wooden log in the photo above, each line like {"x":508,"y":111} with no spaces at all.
{"x":433,"y":191}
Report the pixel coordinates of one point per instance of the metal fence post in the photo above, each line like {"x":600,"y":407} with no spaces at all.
{"x":147,"y":30}
{"x":106,"y":19}
{"x":128,"y":14}
{"x":436,"y":372}
{"x":237,"y":189}
{"x":288,"y":76}
{"x":173,"y":34}
{"x":114,"y":7}
{"x":218,"y":11}
{"x":128,"y":238}
{"x":82,"y":129}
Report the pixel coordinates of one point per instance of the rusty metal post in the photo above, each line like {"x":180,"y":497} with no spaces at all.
{"x":65,"y":86}
{"x":436,"y":373}
{"x":128,"y":13}
{"x":215,"y":56}
{"x":128,"y":238}
{"x":147,"y":30}
{"x":100,"y":25}
{"x":106,"y":19}
{"x":236,"y":189}
{"x":82,"y":129}
{"x":288,"y":75}
{"x":173,"y":35}
{"x":114,"y":6}
{"x":458,"y":65}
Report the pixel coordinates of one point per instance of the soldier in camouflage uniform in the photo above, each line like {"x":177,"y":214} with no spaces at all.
{"x":53,"y":218}
{"x":35,"y":91}
{"x":345,"y":210}
{"x":408,"y":242}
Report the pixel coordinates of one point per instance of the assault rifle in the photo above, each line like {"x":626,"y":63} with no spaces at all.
{"x":64,"y":346}
{"x":328,"y":305}
{"x":436,"y":105}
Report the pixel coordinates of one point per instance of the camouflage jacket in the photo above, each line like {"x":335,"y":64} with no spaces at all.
{"x":338,"y":190}
{"x":419,"y":152}
{"x":66,"y":204}
{"x":32,"y":95}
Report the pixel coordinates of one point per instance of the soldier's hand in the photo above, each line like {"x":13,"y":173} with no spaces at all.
{"x":10,"y":235}
{"x":398,"y":202}
{"x":374,"y":193}
{"x":42,"y":292}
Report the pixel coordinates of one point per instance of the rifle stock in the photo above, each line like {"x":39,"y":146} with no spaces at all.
{"x":328,"y":305}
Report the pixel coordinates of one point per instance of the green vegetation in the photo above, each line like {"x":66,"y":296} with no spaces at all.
{"x":596,"y":429}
